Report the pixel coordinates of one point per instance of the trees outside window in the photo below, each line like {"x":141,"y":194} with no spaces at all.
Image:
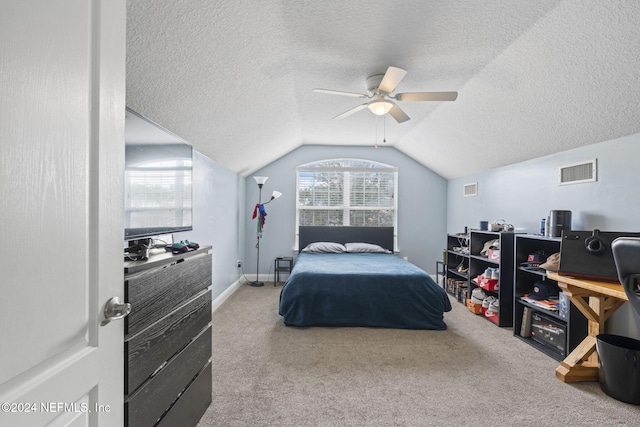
{"x":346,"y":192}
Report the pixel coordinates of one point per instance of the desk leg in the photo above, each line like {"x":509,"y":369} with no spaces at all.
{"x":578,"y":366}
{"x":582,"y":363}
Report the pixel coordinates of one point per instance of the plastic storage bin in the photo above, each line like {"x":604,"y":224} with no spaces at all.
{"x":619,"y":372}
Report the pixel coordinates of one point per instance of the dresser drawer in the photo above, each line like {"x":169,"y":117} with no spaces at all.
{"x":151,"y":401}
{"x":148,"y":350}
{"x":157,"y":291}
{"x":193,"y":403}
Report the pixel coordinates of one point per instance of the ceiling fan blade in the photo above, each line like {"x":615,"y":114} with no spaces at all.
{"x":427,"y":96}
{"x":391,"y":78}
{"x":351,"y":111}
{"x":397,"y":113}
{"x":340,"y":92}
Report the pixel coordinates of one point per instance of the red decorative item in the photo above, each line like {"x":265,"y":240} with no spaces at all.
{"x":488,"y":284}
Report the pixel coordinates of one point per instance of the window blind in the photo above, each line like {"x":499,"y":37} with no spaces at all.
{"x":158,"y":195}
{"x":346,"y":192}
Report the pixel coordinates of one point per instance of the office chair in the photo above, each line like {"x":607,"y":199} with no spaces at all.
{"x":626,"y":254}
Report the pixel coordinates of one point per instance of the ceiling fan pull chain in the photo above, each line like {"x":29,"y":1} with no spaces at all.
{"x":384,"y":128}
{"x":376,"y":139}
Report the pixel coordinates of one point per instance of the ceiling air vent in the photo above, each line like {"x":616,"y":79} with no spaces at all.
{"x":575,"y":174}
{"x":471,"y":189}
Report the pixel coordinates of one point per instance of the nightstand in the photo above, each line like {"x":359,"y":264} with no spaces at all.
{"x":281,"y":264}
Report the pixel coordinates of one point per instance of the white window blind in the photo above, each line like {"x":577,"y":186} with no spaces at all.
{"x":159,"y":194}
{"x":343,"y":192}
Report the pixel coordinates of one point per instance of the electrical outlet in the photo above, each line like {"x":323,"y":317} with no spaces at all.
{"x":239,"y":264}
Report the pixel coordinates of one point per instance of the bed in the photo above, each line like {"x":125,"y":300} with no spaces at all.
{"x":331,"y":287}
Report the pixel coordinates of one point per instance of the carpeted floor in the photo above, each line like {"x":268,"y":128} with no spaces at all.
{"x":474,"y":373}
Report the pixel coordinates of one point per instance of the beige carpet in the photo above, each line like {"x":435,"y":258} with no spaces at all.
{"x":474,"y":373}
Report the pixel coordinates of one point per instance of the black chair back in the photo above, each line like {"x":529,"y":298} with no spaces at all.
{"x":626,"y":254}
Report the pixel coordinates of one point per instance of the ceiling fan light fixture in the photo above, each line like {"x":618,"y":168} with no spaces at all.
{"x":380,"y":107}
{"x":380,"y":87}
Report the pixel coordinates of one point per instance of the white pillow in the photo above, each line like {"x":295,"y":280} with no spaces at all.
{"x":325,"y":247}
{"x":366,"y":247}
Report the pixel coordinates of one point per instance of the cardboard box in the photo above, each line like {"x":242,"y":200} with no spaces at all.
{"x":488,"y":284}
{"x":494,"y":317}
{"x":473,"y":307}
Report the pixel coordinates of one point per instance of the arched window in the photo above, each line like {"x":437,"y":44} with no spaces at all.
{"x":341,"y":192}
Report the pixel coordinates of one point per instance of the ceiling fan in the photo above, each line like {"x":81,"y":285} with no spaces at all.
{"x":379,"y":88}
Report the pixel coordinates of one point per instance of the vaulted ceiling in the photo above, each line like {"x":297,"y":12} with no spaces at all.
{"x":236,"y":77}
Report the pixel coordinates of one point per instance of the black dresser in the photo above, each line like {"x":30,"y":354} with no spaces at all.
{"x":168,"y":339}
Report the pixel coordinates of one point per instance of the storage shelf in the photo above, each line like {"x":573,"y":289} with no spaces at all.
{"x":457,"y":253}
{"x":524,"y":281}
{"x":541,"y":273}
{"x":485,"y":259}
{"x":454,"y":259}
{"x":479,"y":263}
{"x":476,"y":264}
{"x":544,"y":349}
{"x":457,"y":273}
{"x":550,"y":313}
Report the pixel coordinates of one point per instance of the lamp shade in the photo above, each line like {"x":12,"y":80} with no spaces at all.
{"x":380,"y":107}
{"x":275,"y":194}
{"x":260,"y":180}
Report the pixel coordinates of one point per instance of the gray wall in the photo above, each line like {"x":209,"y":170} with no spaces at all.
{"x":218,"y":197}
{"x":421,"y":206}
{"x":524,"y":193}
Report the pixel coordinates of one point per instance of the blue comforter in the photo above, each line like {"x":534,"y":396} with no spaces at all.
{"x":361,"y":289}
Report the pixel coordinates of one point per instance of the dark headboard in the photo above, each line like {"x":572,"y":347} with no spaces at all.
{"x":382,"y":236}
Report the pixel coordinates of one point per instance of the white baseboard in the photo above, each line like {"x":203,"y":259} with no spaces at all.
{"x":217,"y":302}
{"x":220,"y":299}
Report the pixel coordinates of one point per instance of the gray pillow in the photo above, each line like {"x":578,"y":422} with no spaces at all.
{"x":366,"y":247}
{"x":325,"y":247}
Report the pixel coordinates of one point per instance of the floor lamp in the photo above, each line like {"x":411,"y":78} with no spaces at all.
{"x":260,"y":213}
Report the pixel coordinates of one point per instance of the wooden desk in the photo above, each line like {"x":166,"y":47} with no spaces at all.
{"x":603,"y":299}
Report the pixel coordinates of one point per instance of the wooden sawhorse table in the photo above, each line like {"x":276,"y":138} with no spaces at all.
{"x":603,"y":299}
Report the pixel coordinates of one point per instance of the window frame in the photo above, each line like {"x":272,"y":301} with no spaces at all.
{"x":344,"y":168}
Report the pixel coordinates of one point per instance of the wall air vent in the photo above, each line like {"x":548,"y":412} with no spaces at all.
{"x":577,"y":173}
{"x":471,"y":189}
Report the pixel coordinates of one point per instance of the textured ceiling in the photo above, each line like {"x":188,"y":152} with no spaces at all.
{"x":235,"y":77}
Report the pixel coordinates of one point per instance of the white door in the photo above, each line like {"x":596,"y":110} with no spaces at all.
{"x":62,"y":83}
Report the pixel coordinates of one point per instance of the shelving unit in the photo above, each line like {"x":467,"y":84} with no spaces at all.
{"x":478,"y":263}
{"x":456,"y":266}
{"x":441,"y":273}
{"x":567,"y":317}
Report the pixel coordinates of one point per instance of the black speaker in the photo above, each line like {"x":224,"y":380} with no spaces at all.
{"x":558,"y":221}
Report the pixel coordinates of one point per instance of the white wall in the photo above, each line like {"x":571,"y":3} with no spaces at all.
{"x":218,"y":197}
{"x":524,"y":193}
{"x":421,"y":205}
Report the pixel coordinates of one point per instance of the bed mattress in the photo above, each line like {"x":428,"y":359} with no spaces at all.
{"x":361,"y":289}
